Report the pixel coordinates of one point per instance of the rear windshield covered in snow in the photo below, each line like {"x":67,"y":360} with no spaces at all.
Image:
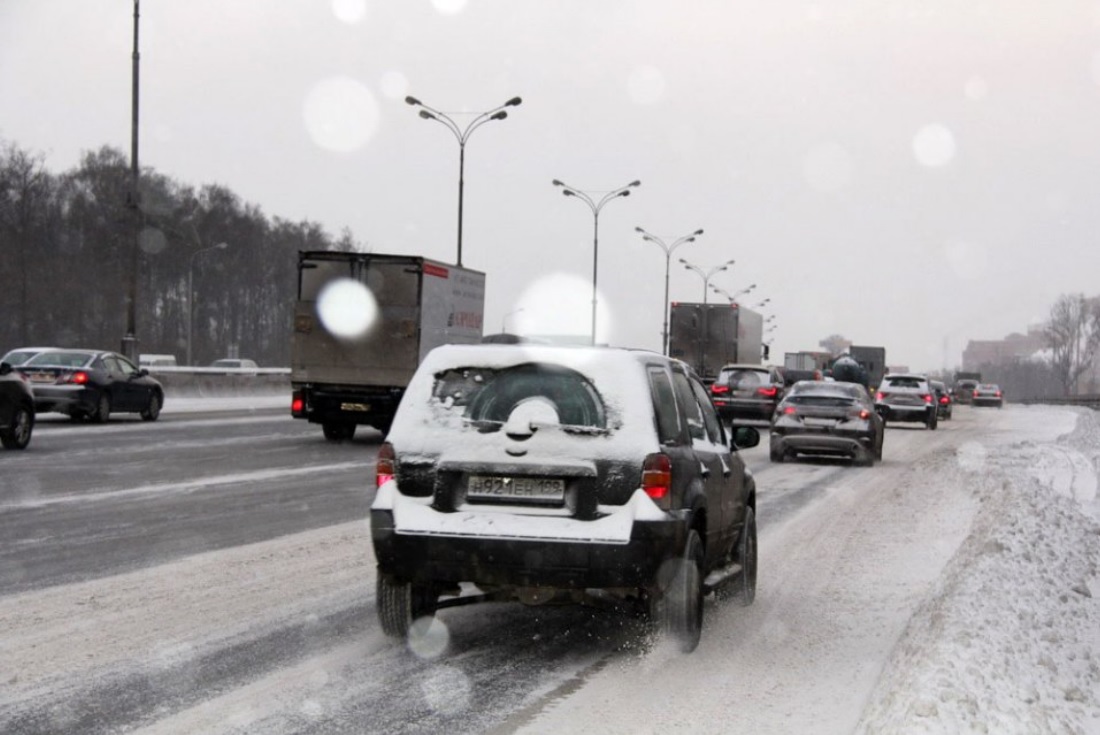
{"x":553,"y":393}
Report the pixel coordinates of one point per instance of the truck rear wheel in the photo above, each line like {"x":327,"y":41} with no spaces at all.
{"x":338,"y":431}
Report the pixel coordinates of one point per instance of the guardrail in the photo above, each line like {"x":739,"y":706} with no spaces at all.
{"x":1089,"y":401}
{"x":220,"y":381}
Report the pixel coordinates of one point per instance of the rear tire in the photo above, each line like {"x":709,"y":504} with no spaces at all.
{"x":776,"y":455}
{"x":400,"y":603}
{"x":680,"y":611}
{"x":743,"y":587}
{"x":338,"y":431}
{"x":17,"y":435}
{"x":931,"y":423}
{"x":102,"y":409}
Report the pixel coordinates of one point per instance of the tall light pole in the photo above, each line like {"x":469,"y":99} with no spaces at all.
{"x":595,"y":206}
{"x":706,"y":276}
{"x":191,"y":293}
{"x":763,"y":303}
{"x":462,"y":135}
{"x":133,"y":202}
{"x":732,"y":297}
{"x":668,"y":260}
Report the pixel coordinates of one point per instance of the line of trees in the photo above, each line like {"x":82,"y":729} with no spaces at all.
{"x":67,"y":242}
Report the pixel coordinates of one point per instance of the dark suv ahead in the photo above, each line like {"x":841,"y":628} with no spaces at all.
{"x":542,"y":474}
{"x":747,"y":392}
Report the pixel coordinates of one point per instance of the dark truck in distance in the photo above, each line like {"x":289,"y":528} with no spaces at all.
{"x":708,"y":336}
{"x":406,"y":305}
{"x":548,"y":475}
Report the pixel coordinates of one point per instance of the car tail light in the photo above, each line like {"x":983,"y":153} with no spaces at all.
{"x":657,"y":477}
{"x":790,"y":410}
{"x":927,"y":398}
{"x":717,"y":389}
{"x":768,"y":391}
{"x":859,"y":413}
{"x":997,"y":394}
{"x":944,"y":400}
{"x":383,"y":468}
{"x":880,"y":396}
{"x":79,"y":377}
{"x":297,"y":404}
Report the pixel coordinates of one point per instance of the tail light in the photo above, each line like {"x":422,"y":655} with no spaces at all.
{"x":383,"y":468}
{"x":79,"y":377}
{"x":719,"y":389}
{"x":297,"y":404}
{"x":768,"y":391}
{"x":657,"y":478}
{"x":927,"y":398}
{"x":859,"y":413}
{"x":790,"y":410}
{"x":880,"y":396}
{"x":944,"y":400}
{"x":997,"y":394}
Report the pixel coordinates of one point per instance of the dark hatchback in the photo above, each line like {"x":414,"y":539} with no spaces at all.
{"x":747,"y":392}
{"x":91,"y":385}
{"x":944,"y":402}
{"x":827,"y":418}
{"x":549,"y":475}
{"x":16,"y":408}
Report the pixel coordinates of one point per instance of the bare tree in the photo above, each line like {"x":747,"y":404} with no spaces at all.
{"x":836,"y":344}
{"x":1073,"y":334}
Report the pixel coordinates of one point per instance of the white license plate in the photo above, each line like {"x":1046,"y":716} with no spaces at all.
{"x":811,"y":421}
{"x":489,"y":487}
{"x":363,"y":407}
{"x":43,"y":378}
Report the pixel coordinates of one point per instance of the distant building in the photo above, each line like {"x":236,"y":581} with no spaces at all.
{"x":982,"y":352}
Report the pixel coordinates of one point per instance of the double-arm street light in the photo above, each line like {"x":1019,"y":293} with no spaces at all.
{"x":462,"y":135}
{"x":668,"y":260}
{"x":765,"y":302}
{"x":706,"y":275}
{"x":191,"y":293}
{"x":595,"y":205}
{"x":732,"y":297}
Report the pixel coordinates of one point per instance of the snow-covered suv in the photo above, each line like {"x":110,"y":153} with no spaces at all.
{"x":541,"y":474}
{"x":903,"y":397}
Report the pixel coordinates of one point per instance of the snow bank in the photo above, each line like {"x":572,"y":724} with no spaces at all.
{"x":1009,"y":640}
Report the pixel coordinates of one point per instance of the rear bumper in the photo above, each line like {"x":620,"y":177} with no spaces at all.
{"x":623,"y":549}
{"x":988,"y":401}
{"x":817,"y":442}
{"x":732,"y":408}
{"x":64,"y":398}
{"x":920,"y":414}
{"x":322,"y":404}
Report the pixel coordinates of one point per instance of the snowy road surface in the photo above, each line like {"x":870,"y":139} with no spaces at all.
{"x":214,"y":574}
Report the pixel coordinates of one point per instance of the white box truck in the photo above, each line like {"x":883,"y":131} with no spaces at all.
{"x":341,"y":380}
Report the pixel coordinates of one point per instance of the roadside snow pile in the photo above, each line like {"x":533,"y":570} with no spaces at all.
{"x":1009,"y":639}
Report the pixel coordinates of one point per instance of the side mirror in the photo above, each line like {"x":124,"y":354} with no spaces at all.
{"x":744,"y":437}
{"x":143,"y":372}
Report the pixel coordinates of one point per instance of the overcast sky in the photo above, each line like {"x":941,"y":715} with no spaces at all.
{"x":909,"y":174}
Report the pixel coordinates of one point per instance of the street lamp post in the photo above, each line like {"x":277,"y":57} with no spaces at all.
{"x":191,"y":293}
{"x":462,"y":135}
{"x":668,"y":260}
{"x":765,"y":302}
{"x":133,"y":202}
{"x":706,"y":276}
{"x":595,"y":206}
